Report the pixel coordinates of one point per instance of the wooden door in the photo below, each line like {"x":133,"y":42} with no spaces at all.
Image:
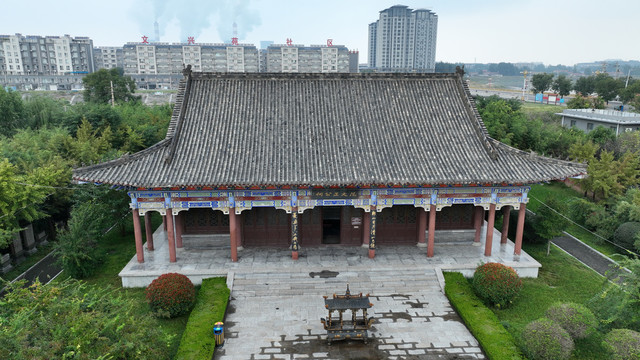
{"x":456,"y":217}
{"x":397,"y":225}
{"x":310,"y":227}
{"x":266,"y":227}
{"x":205,"y":221}
{"x":351,"y":232}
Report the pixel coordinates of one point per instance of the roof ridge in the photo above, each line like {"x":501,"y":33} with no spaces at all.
{"x":535,"y":157}
{"x":476,"y":119}
{"x":180,"y":120}
{"x":126,"y":158}
{"x":290,"y":76}
{"x":177,"y":108}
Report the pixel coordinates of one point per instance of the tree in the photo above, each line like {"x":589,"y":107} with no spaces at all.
{"x":11,"y":111}
{"x":607,"y":87}
{"x":541,"y":82}
{"x":98,"y":87}
{"x":603,"y":175}
{"x":73,"y":320}
{"x":602,"y":136}
{"x":581,"y":102}
{"x":562,"y":85}
{"x":549,"y":221}
{"x":22,"y":195}
{"x":627,"y":94}
{"x":585,"y":85}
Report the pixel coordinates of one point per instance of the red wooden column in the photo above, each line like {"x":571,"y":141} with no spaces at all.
{"x":477,"y":223}
{"x":366,"y":226}
{"x":490,"y":222}
{"x":294,"y":233}
{"x":179,"y":230}
{"x":171,"y":236}
{"x":520,"y":228}
{"x":422,"y":227}
{"x":137,"y":231}
{"x":372,"y":233}
{"x":432,"y":231}
{"x":506,"y":212}
{"x":148,"y":231}
{"x":233,"y":233}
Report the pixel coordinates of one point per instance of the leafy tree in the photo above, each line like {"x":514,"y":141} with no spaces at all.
{"x":585,"y":85}
{"x":541,"y":82}
{"x":96,"y":209}
{"x":98,"y":115}
{"x":603,"y":175}
{"x":562,"y":85}
{"x":581,"y":102}
{"x":549,"y":221}
{"x":627,"y":94}
{"x":607,"y":87}
{"x":618,"y":304}
{"x":583,"y":151}
{"x":11,"y":111}
{"x":97,"y":87}
{"x":41,"y":111}
{"x":602,"y":135}
{"x":629,"y":170}
{"x":22,"y":195}
{"x":89,"y":146}
{"x":73,"y":320}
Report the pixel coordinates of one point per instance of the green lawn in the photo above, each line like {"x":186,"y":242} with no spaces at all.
{"x":561,"y":279}
{"x":529,"y":107}
{"x":564,"y":194}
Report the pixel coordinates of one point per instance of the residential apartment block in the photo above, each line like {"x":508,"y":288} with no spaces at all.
{"x":164,"y":58}
{"x":403,"y":40}
{"x":45,"y":55}
{"x":108,"y":57}
{"x":309,"y":59}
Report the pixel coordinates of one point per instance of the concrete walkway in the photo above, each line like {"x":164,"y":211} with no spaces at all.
{"x":587,"y":255}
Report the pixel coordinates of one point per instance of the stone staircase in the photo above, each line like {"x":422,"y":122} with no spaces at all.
{"x":328,"y":282}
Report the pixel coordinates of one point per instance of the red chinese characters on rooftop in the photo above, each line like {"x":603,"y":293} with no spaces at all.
{"x":234,"y":41}
{"x":145,"y":39}
{"x":190,"y":40}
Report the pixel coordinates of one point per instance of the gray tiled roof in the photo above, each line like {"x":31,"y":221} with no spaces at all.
{"x":320,"y":129}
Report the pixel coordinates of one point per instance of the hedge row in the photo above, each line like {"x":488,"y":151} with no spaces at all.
{"x":197,"y":340}
{"x":495,"y":340}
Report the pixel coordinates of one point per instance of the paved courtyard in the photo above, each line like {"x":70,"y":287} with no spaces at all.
{"x":277,"y":316}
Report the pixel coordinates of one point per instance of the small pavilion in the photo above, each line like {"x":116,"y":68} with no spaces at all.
{"x":316,"y":160}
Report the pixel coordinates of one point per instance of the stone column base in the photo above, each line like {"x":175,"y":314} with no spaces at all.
{"x":421,"y":244}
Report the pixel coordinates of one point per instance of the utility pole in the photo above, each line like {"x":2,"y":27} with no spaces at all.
{"x":113,"y":99}
{"x":524,"y":83}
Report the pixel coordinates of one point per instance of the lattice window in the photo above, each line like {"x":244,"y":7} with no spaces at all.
{"x":412,"y":215}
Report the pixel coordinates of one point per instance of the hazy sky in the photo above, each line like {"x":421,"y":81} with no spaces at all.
{"x":552,"y":32}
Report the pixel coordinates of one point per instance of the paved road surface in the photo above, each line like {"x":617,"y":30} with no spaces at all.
{"x":588,"y":256}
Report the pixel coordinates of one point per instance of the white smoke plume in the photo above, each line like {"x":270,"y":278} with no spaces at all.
{"x":195,"y":16}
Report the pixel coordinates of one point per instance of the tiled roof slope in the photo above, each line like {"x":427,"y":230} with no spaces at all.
{"x":321,"y":129}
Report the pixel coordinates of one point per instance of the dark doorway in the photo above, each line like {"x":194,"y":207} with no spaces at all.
{"x":331,"y":225}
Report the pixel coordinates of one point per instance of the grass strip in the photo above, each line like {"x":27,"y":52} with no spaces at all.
{"x":495,"y":340}
{"x":197,"y":340}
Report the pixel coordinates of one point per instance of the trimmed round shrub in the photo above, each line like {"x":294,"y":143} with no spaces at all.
{"x":622,"y":344}
{"x":543,"y":339}
{"x":626,"y":233}
{"x":496,"y":284}
{"x":577,"y":319}
{"x":171,"y":295}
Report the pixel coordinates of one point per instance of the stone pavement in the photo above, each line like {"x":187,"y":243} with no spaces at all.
{"x":276,"y":315}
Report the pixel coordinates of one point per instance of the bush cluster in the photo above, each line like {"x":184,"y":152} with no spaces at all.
{"x":622,"y":344}
{"x":543,"y":339}
{"x":171,"y":295}
{"x":626,"y":233}
{"x":496,"y":284}
{"x":576,"y":319}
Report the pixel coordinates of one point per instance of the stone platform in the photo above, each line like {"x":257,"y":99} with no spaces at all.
{"x":198,"y":262}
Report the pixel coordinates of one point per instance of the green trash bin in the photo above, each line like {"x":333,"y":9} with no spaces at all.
{"x":218,"y":333}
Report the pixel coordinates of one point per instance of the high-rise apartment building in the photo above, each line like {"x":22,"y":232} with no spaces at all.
{"x":403,"y":39}
{"x":45,"y":55}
